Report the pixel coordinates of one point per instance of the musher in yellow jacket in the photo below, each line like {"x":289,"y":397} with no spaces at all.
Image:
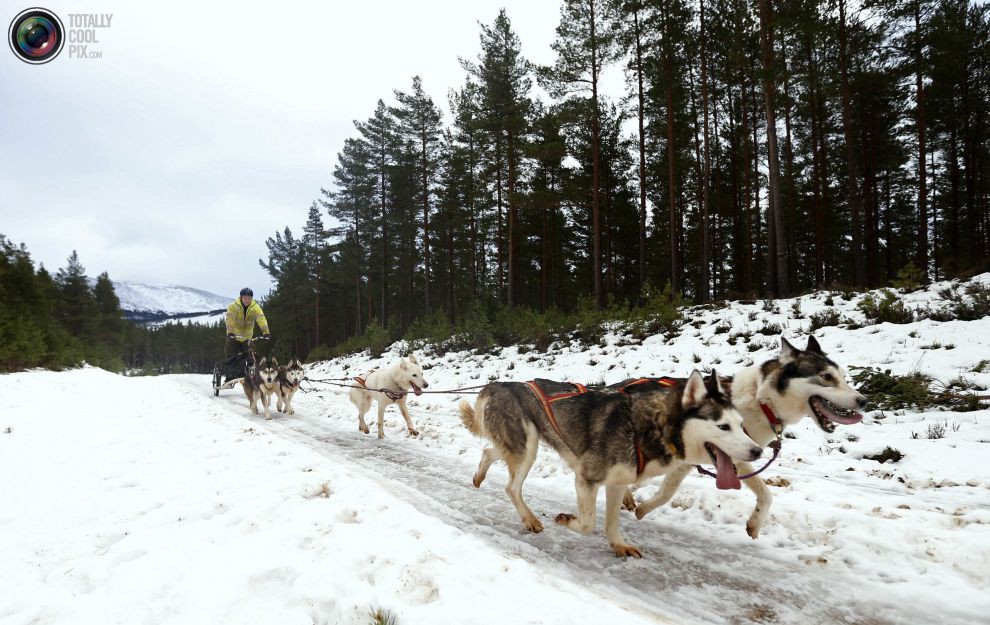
{"x":242,"y":314}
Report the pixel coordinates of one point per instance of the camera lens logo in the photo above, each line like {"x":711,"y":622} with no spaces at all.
{"x":36,"y":36}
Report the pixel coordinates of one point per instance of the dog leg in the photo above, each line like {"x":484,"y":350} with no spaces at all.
{"x":613,"y":503}
{"x":381,"y":418}
{"x":670,"y":485}
{"x":628,"y":501}
{"x":288,"y":404}
{"x":266,"y":402}
{"x":362,"y":408}
{"x":518,"y":470}
{"x":763,"y":499}
{"x":279,"y":405}
{"x":488,"y":456}
{"x":405,"y":415}
{"x":587,"y":495}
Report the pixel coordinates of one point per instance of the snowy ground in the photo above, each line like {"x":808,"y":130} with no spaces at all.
{"x":149,"y":500}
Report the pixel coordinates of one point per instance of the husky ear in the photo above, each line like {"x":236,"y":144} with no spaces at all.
{"x":694,"y":391}
{"x":275,"y":362}
{"x":715,"y":383}
{"x":813,"y":346}
{"x":261,"y":363}
{"x":787,"y":351}
{"x":412,"y":358}
{"x":402,"y":364}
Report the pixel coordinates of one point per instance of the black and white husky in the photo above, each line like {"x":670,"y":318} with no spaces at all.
{"x":771,"y":396}
{"x":289,"y":378}
{"x":260,"y":382}
{"x":610,"y":439}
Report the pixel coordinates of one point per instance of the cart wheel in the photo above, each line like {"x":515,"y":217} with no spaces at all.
{"x":216,"y":380}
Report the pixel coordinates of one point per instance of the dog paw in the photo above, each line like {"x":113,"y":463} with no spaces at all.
{"x":626,"y":551}
{"x":413,"y":432}
{"x":364,"y":429}
{"x":477,"y":480}
{"x":291,"y":411}
{"x":533,"y":524}
{"x":753,"y":530}
{"x":563,"y":518}
{"x":268,"y":418}
{"x":628,"y":502}
{"x":640,"y":512}
{"x":381,"y":435}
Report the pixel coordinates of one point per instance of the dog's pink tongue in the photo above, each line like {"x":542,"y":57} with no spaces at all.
{"x":416,"y":389}
{"x":725,"y":472}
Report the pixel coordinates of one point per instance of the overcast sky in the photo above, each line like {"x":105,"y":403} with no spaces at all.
{"x":207,"y":126}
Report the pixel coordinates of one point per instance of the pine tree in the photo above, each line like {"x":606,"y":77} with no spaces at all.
{"x":419,"y":123}
{"x":503,"y":77}
{"x":586,"y":42}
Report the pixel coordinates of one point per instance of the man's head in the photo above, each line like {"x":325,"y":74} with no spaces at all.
{"x":247,"y":295}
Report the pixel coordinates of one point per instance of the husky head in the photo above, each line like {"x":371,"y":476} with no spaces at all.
{"x":410,"y":375}
{"x":268,"y":372}
{"x":802,"y":382}
{"x":294,"y":372}
{"x":712,"y":428}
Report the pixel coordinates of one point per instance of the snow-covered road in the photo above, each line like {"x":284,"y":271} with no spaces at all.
{"x":689,"y":574}
{"x":148,"y":500}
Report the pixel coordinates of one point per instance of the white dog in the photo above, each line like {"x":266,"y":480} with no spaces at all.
{"x":396,"y":381}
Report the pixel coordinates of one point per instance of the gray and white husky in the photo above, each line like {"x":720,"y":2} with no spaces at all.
{"x":771,"y":396}
{"x":289,"y":378}
{"x":398,"y":380}
{"x":609,"y":439}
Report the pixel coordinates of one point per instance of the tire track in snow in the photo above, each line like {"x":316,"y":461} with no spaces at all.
{"x":685,"y":573}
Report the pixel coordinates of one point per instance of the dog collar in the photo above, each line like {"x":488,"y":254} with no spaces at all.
{"x":775,"y":423}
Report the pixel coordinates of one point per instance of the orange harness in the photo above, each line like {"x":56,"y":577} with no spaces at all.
{"x":661,"y":381}
{"x":547,"y":400}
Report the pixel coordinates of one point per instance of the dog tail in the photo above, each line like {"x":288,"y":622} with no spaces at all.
{"x":471,"y":419}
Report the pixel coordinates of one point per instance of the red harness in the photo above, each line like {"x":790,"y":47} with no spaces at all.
{"x":547,"y":400}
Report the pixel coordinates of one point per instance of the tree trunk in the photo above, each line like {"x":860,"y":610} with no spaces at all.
{"x":775,"y":220}
{"x":513,"y":216}
{"x":921,"y":253}
{"x":381,"y":164}
{"x":642,"y":152}
{"x":703,"y":292}
{"x":426,"y":222}
{"x":855,"y":208}
{"x":674,"y":217}
{"x":596,"y":250}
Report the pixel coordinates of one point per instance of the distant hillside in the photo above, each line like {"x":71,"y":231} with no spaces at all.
{"x":144,"y":303}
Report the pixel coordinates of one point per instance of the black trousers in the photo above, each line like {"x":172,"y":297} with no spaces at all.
{"x":233,"y":347}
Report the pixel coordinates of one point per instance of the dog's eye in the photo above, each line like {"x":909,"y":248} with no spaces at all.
{"x":725,"y":427}
{"x":828,"y":377}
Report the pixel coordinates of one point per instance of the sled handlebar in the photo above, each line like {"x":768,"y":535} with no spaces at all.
{"x":258,"y":338}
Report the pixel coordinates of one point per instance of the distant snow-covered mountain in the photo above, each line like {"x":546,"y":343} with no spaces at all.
{"x":144,"y":303}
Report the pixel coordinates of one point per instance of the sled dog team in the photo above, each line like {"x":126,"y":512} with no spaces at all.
{"x":621,"y":435}
{"x":263,"y":379}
